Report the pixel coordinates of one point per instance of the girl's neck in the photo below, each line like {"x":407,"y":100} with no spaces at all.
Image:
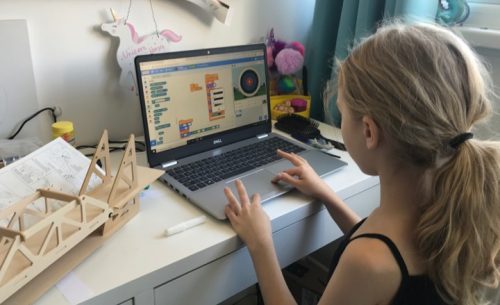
{"x":400,"y":191}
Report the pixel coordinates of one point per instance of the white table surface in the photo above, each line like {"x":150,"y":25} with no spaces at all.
{"x":139,"y":255}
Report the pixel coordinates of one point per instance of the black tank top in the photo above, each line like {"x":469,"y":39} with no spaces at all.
{"x":414,"y":289}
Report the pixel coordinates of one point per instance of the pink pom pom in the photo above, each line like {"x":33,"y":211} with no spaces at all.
{"x":270,"y":59}
{"x":289,"y":61}
{"x":297,"y":46}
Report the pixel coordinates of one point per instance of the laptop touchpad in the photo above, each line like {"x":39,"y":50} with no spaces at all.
{"x":279,"y":166}
{"x":259,"y":182}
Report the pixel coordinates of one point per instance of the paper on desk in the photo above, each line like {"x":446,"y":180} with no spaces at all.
{"x":73,"y":289}
{"x":56,"y":165}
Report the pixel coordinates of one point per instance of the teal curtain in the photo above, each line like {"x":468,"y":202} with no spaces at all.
{"x":337,"y":25}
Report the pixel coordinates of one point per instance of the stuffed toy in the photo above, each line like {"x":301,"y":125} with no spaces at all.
{"x":284,"y":61}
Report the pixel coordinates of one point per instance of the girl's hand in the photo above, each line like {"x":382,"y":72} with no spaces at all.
{"x":303,"y":177}
{"x":248,"y":218}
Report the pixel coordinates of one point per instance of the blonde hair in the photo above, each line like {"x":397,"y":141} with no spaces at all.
{"x":424,"y":86}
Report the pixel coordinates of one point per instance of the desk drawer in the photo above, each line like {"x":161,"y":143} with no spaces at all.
{"x":223,"y":278}
{"x":128,"y":302}
{"x":228,"y":275}
{"x":211,"y":283}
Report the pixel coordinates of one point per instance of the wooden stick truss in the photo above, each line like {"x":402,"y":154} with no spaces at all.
{"x":28,"y":250}
{"x":41,"y":228}
{"x":101,"y":154}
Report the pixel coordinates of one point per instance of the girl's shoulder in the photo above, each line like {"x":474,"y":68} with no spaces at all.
{"x":371,"y":255}
{"x":366,"y":274}
{"x":392,"y":244}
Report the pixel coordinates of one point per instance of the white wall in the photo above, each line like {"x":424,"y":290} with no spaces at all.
{"x":482,"y":30}
{"x":74,"y":62}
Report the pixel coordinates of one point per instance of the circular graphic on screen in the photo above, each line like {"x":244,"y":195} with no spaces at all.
{"x":249,"y":82}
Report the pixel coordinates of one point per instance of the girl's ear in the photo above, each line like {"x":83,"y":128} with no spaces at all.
{"x":371,"y":132}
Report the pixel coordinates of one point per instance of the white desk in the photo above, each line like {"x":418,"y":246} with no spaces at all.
{"x":208,"y":263}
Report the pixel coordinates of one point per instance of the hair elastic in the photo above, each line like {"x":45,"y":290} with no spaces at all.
{"x":456,"y":141}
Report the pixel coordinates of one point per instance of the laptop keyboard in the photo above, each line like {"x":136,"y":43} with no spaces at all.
{"x":207,"y":171}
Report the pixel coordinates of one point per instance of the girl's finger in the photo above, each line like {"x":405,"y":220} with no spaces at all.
{"x":242,"y":193}
{"x":300,"y":158}
{"x":295,"y":171}
{"x":285,"y":177}
{"x":290,"y":157}
{"x":230,"y":213}
{"x":233,"y":202}
{"x":256,"y":199}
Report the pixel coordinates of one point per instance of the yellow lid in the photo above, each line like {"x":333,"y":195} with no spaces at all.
{"x":62,"y":127}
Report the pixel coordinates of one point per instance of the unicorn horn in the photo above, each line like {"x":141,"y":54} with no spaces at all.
{"x":113,"y":13}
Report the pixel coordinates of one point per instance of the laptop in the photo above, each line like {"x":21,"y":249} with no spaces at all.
{"x":207,"y":122}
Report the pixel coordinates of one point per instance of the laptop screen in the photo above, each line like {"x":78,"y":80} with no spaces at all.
{"x":195,"y":95}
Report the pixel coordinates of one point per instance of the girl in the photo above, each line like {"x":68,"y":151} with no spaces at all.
{"x":409,"y":96}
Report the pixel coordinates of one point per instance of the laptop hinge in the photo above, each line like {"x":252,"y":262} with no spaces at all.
{"x":168,"y":164}
{"x":262,"y":136}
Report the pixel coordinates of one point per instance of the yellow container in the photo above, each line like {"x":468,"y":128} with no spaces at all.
{"x":282,"y":104}
{"x":65,"y":130}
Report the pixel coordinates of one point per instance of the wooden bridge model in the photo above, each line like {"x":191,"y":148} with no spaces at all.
{"x":37,"y":248}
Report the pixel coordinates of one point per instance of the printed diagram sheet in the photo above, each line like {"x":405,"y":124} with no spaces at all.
{"x":57,"y":165}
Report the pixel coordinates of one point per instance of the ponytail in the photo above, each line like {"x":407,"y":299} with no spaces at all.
{"x":459,"y":229}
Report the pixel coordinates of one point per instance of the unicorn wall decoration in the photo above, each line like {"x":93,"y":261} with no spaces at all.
{"x":131,"y":45}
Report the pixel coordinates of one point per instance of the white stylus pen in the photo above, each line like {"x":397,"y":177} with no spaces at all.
{"x":183,"y":226}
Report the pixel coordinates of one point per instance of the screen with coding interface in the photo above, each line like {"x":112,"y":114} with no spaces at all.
{"x":189,"y":98}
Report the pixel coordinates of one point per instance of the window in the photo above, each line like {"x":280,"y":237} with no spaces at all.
{"x":485,"y":1}
{"x":482,"y":27}
{"x":484,"y":14}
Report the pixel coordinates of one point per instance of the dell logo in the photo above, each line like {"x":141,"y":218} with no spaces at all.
{"x":217,"y":141}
